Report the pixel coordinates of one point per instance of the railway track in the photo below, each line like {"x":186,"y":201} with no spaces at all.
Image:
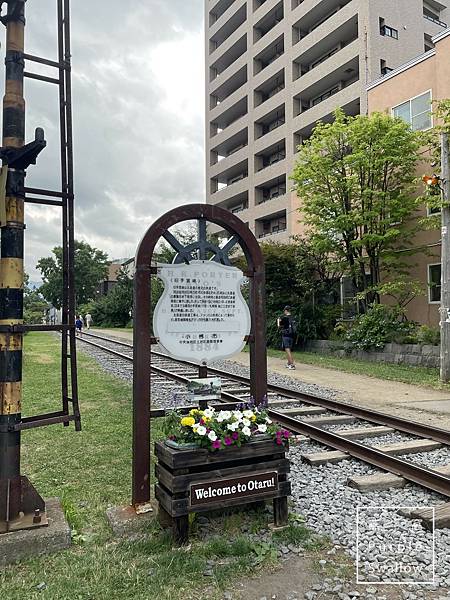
{"x":320,"y":419}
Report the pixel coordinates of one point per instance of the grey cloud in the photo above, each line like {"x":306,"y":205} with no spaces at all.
{"x":134,"y":159}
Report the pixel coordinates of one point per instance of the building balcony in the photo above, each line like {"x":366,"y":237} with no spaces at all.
{"x":226,"y":134}
{"x":225,"y":10}
{"x":331,"y":70}
{"x":274,"y":171}
{"x":346,"y":97}
{"x":235,"y":57}
{"x":433,"y":26}
{"x":227,"y":74}
{"x":229,"y":191}
{"x":270,"y":138}
{"x":311,"y":26}
{"x":268,"y":57}
{"x":228,"y":31}
{"x":225,"y":95}
{"x":269,"y":87}
{"x":229,"y":161}
{"x":270,"y":206}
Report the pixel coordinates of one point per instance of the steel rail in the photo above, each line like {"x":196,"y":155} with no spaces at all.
{"x":412,"y":427}
{"x":415,"y":473}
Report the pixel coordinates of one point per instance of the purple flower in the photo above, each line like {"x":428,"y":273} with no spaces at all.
{"x":217,"y":444}
{"x":235,"y":435}
{"x":279,"y":441}
{"x":287,"y":434}
{"x":228,"y":441}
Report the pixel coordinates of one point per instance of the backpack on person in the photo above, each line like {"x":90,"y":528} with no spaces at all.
{"x":291,"y":329}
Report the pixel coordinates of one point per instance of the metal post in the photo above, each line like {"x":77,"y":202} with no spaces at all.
{"x":21,"y":507}
{"x":11,"y":265}
{"x":445,"y":261}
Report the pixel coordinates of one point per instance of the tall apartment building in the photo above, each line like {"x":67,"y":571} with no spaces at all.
{"x":276,"y":67}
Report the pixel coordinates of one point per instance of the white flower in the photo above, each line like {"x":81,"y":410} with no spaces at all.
{"x":201,"y":430}
{"x":268,"y":421}
{"x":246,"y":422}
{"x":212,"y":436}
{"x":208,"y":413}
{"x":262,"y":428}
{"x":248,"y":413}
{"x":233,"y":426}
{"x":224,"y":415}
{"x":246,"y":431}
{"x":237,"y":415}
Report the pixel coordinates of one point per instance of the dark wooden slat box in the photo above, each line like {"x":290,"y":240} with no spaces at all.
{"x":261,"y":462}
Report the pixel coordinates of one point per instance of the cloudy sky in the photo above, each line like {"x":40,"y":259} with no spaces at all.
{"x":138,"y":118}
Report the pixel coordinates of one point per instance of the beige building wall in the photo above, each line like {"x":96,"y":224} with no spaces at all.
{"x":430,"y":71}
{"x":276,"y":67}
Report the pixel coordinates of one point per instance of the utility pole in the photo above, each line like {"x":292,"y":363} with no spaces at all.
{"x":445,"y":260}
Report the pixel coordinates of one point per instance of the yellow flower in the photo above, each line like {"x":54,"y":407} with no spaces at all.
{"x":195,"y":411}
{"x":253,"y":418}
{"x":188,"y":421}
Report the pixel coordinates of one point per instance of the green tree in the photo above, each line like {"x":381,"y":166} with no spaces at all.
{"x":299,"y":276}
{"x":356,"y":180}
{"x":34,"y":305}
{"x":91,"y":267}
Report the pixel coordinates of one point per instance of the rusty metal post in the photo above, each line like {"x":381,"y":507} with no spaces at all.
{"x":142,"y":332}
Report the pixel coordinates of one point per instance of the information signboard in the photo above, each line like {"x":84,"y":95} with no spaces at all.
{"x":201,"y":315}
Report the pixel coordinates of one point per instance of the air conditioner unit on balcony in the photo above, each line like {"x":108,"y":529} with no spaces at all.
{"x":238,"y":208}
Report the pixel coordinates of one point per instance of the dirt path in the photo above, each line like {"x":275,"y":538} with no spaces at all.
{"x":410,"y":401}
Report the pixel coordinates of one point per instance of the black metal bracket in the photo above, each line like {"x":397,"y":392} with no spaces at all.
{"x":22,"y":158}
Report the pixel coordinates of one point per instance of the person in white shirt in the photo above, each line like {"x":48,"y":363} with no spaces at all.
{"x":88,"y":320}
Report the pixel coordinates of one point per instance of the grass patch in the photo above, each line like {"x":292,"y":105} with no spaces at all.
{"x":423,"y":376}
{"x":91,"y":471}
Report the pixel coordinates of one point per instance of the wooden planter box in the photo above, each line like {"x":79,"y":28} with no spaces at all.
{"x":197,"y":480}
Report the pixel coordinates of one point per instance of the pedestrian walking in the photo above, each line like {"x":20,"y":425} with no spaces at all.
{"x":79,"y":325}
{"x":286,"y":325}
{"x":88,"y":320}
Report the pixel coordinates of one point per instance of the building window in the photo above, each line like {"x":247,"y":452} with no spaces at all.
{"x":388,"y":31}
{"x":384,"y":68}
{"x":416,"y":112}
{"x":434,"y":283}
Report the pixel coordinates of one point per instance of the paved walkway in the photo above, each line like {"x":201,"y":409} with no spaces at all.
{"x":409,"y":401}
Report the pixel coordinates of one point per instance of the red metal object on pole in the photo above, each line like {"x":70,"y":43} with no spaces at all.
{"x":143,"y":338}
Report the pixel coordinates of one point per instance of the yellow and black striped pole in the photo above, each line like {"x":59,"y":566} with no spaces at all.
{"x":11,"y":266}
{"x":20,"y":505}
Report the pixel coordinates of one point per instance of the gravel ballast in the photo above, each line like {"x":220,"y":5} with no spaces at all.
{"x":396,"y":549}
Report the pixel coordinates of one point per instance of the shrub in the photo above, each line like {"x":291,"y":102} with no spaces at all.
{"x":380,"y":325}
{"x":428,"y":335}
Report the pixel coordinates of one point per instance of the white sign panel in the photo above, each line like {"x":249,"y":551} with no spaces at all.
{"x":201,"y":315}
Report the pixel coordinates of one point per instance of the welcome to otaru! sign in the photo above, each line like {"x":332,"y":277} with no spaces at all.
{"x":201,"y":315}
{"x":211,"y":492}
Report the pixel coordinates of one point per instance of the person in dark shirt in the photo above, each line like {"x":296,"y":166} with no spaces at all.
{"x":78,"y":325}
{"x":286,"y":327}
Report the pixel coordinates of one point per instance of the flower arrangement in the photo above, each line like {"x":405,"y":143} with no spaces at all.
{"x":220,"y":429}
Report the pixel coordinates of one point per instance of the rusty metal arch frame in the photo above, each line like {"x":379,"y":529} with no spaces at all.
{"x":142,"y":338}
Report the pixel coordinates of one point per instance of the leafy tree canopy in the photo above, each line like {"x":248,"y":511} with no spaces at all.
{"x":91,"y":267}
{"x":355,"y":178}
